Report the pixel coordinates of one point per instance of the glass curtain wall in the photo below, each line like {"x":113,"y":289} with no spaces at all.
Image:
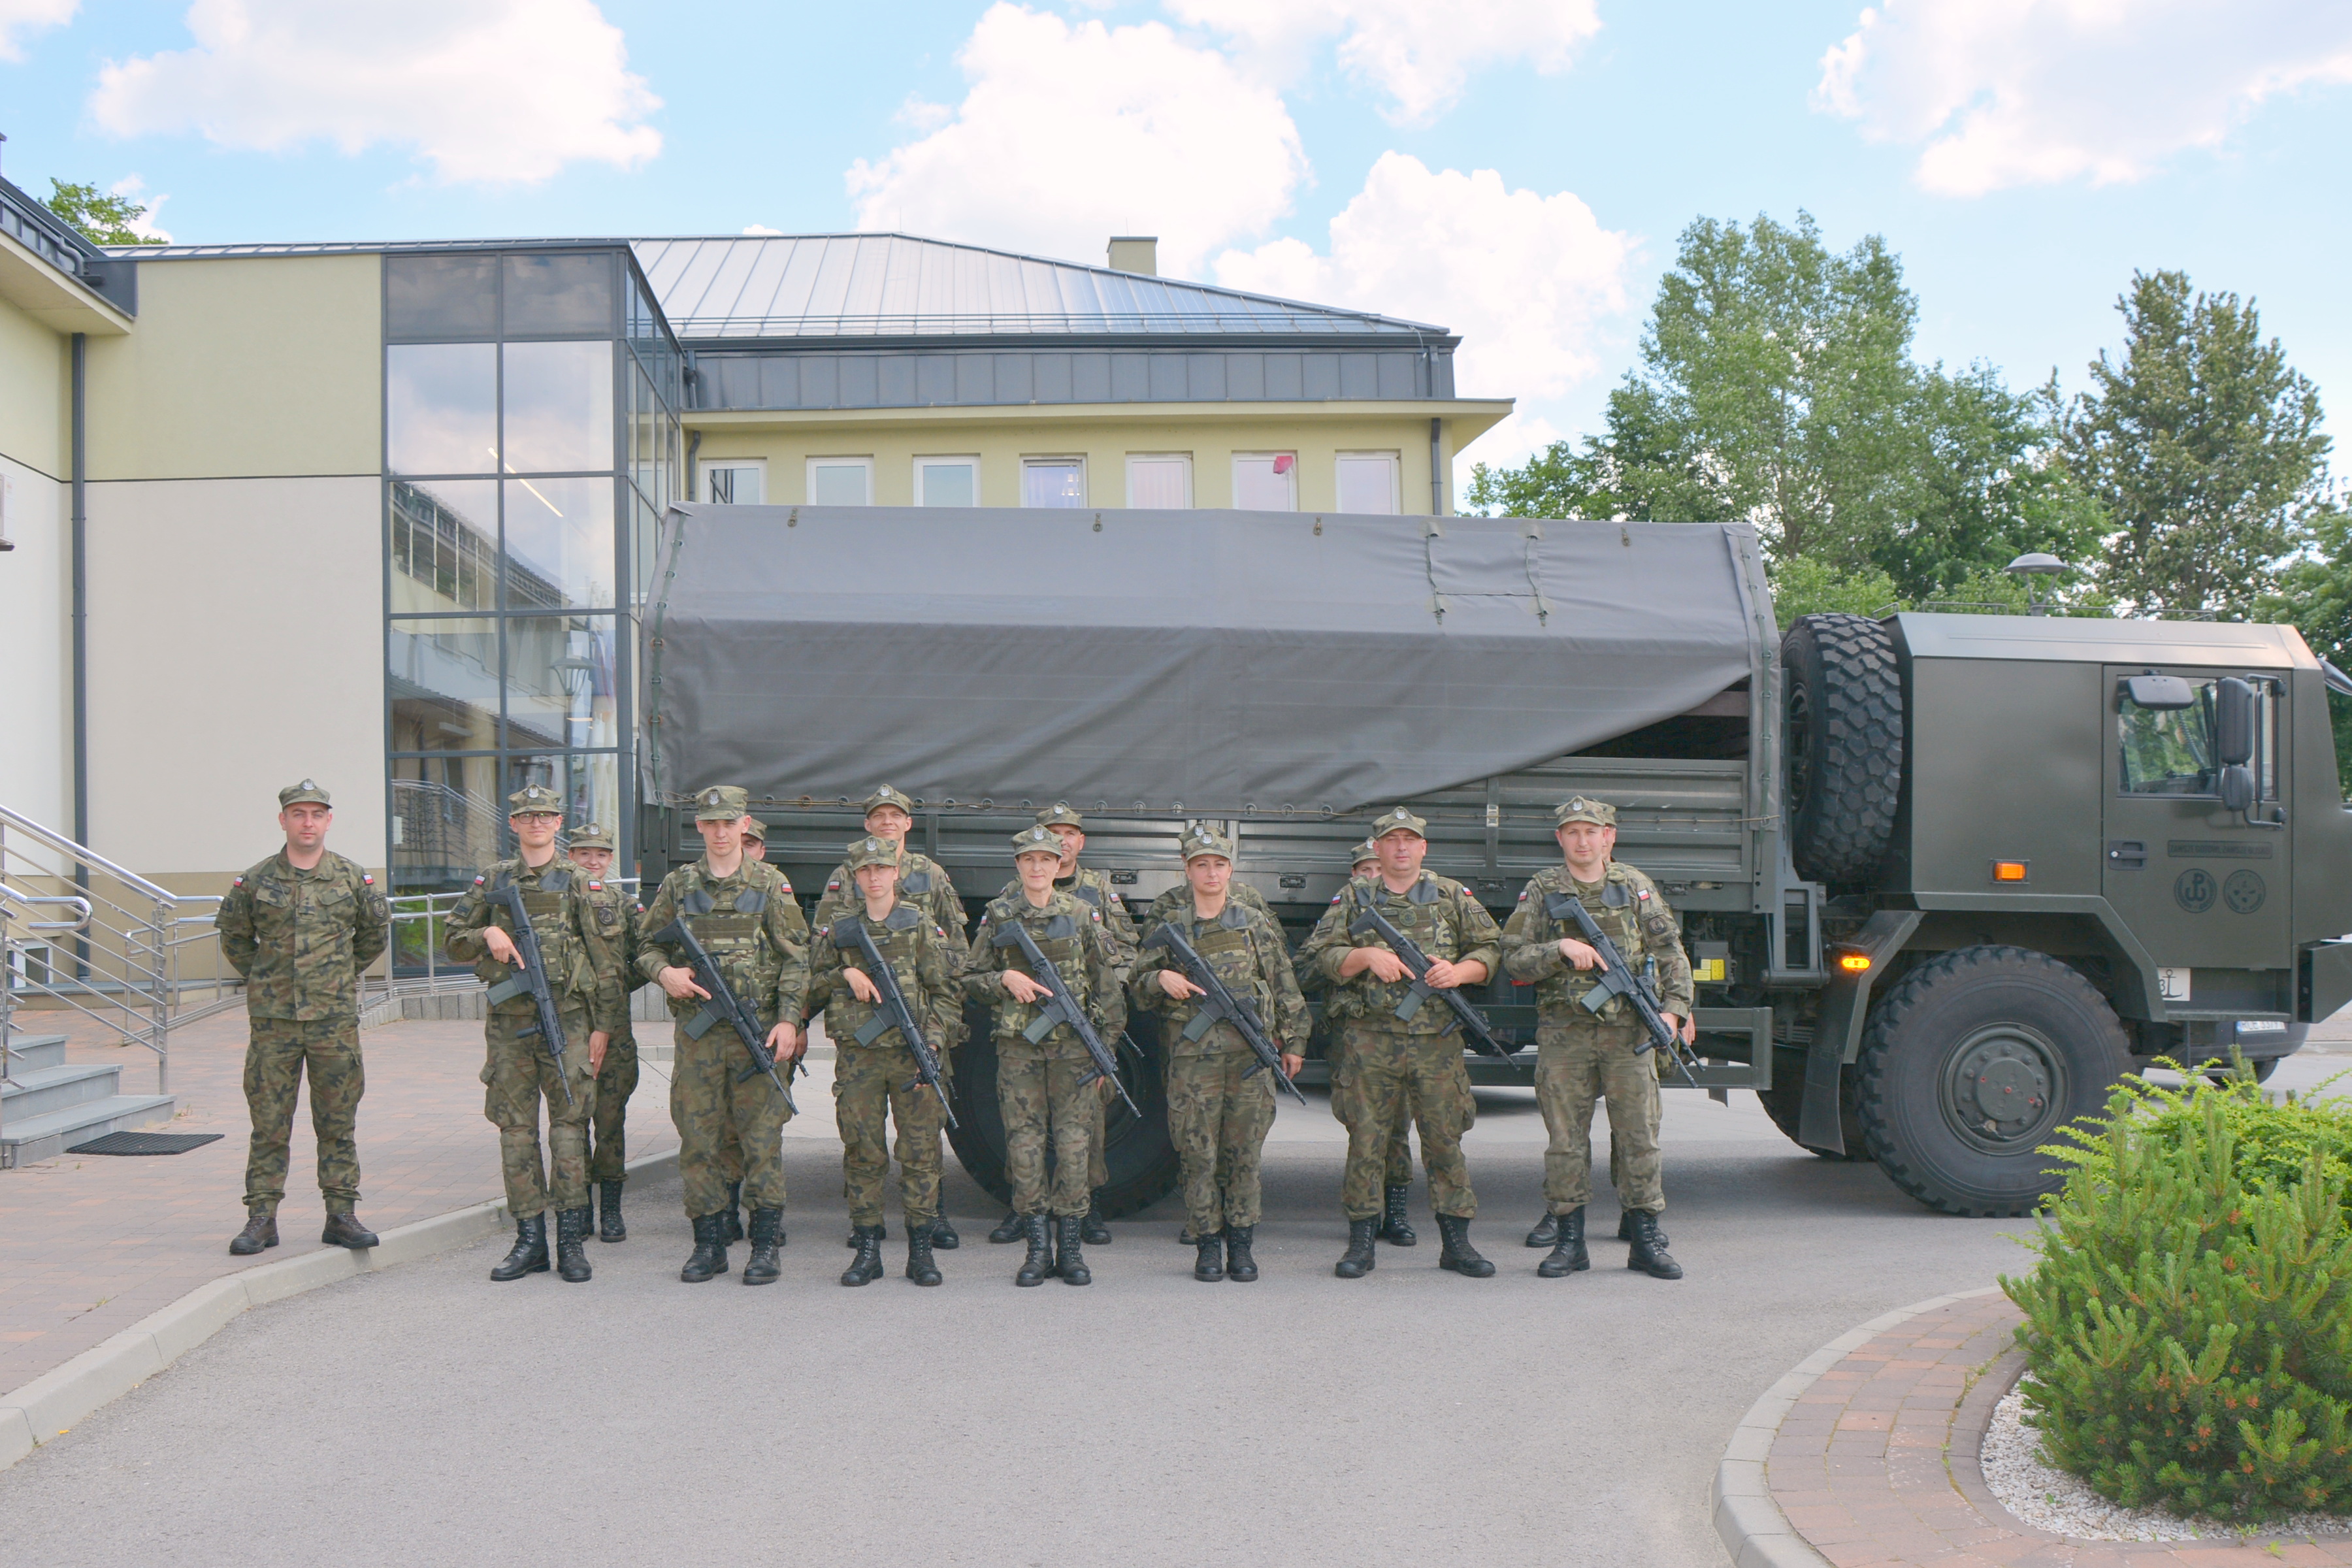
{"x":530,"y":445}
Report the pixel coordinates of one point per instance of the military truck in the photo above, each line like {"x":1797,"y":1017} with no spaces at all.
{"x":1943,"y":877}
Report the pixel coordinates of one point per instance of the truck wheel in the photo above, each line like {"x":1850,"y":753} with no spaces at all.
{"x":1138,"y":1152}
{"x":1971,"y":1064}
{"x":1784,"y":1102}
{"x":1841,"y":696}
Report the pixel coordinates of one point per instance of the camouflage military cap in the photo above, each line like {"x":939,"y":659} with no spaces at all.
{"x":307,"y":792}
{"x":755,"y":828}
{"x":535,"y":800}
{"x":1061,"y":814}
{"x":1584,"y":808}
{"x":1037,"y":840}
{"x":886,"y":795}
{"x":1202,"y":839}
{"x":722,"y":802}
{"x":591,"y":838}
{"x":1397,"y":818}
{"x":872,"y":851}
{"x":1366,"y":851}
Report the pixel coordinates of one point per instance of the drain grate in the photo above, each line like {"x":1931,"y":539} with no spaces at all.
{"x":145,"y":1143}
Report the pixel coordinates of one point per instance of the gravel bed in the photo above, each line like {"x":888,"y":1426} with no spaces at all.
{"x":2054,"y":1501}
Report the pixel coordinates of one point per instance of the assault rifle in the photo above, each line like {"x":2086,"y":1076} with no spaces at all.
{"x":1472,"y":1022}
{"x":895,"y":1014}
{"x":548,"y":1022}
{"x":1219,"y":1005}
{"x":1618,"y":978}
{"x":723,"y":1006}
{"x":1058,"y":1008}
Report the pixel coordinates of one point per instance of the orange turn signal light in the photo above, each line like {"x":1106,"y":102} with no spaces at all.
{"x":2009,"y":870}
{"x":1853,"y":962}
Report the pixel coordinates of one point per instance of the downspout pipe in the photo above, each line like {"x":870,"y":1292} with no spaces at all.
{"x":80,"y":628}
{"x":1436,"y":467}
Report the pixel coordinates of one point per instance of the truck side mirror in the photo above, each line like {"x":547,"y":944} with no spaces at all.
{"x":2159,"y":693}
{"x":2234,"y":724}
{"x":2237,"y":787}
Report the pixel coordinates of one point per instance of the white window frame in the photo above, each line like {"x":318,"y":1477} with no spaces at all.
{"x":1395,"y":461}
{"x":756,"y":465}
{"x":866,"y":463}
{"x":947,"y":460}
{"x":1184,"y":459}
{"x":1241,"y":457}
{"x":1039,"y":459}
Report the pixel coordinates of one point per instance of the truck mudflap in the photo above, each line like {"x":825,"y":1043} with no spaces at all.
{"x":1845,"y":1004}
{"x":2323,"y":980}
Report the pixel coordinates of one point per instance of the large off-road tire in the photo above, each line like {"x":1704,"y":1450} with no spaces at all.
{"x":1971,"y":1064}
{"x":1784,"y":1102}
{"x":1136,"y":1150}
{"x":1841,"y":700}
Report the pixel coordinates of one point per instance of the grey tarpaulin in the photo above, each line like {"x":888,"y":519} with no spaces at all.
{"x":1222,"y":659}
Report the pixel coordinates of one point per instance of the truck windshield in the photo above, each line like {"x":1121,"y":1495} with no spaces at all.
{"x":2170,"y":751}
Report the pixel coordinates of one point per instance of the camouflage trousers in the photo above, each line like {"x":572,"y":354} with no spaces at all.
{"x":518,"y":1075}
{"x":869,"y":1082}
{"x":1389,"y":1076}
{"x":1397,"y":1165}
{"x":727,"y":1131}
{"x":1576,"y":1063}
{"x":1098,"y":1170}
{"x":609,"y":1156}
{"x":1041,"y":1101}
{"x":1218,"y":1118}
{"x":273,"y":1064}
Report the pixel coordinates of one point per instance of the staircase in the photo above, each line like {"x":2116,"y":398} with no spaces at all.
{"x":47,"y":1106}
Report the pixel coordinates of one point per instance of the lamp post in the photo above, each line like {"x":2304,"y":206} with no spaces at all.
{"x":572,"y":671}
{"x":2030,"y":568}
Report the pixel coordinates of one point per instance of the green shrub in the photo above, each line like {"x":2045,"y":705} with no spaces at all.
{"x":2189,"y":1336}
{"x":2269,"y":1144}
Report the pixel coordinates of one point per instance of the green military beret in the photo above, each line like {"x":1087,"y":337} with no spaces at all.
{"x":1202,"y":839}
{"x":1584,"y":808}
{"x":755,"y":828}
{"x":1061,"y":814}
{"x":1039,"y":840}
{"x":535,"y":800}
{"x":1397,"y":819}
{"x":1367,"y":850}
{"x":722,"y":802}
{"x":886,"y":795}
{"x":308,"y":791}
{"x":591,"y":838}
{"x":871,"y":851}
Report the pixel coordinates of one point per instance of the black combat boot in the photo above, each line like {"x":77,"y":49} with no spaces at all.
{"x":1625,"y":1228}
{"x":344,"y":1230}
{"x":530,"y":1254}
{"x":1240,"y":1266}
{"x":1091,"y":1229}
{"x":867,"y":1266}
{"x":1209,"y":1265}
{"x":733,"y":1213}
{"x":1547,"y":1230}
{"x":853,"y":1243}
{"x":1070,"y":1259}
{"x":1567,"y":1256}
{"x":572,"y":1246}
{"x":710,"y":1255}
{"x":920,"y":1239}
{"x":1396,"y":1228}
{"x":1357,"y":1260}
{"x":260,"y":1230}
{"x":767,"y":1234}
{"x":1185,"y":1237}
{"x":943,"y":1235}
{"x":1649,"y":1254}
{"x":609,"y":1225}
{"x":1011,"y":1228}
{"x":1040,"y":1261}
{"x":1459,"y":1255}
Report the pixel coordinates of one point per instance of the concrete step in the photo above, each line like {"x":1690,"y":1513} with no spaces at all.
{"x":45,"y":1137}
{"x":39,"y":1090}
{"x":36,"y":1051}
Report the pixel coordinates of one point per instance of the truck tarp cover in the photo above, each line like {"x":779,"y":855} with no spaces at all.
{"x":1218,"y":659}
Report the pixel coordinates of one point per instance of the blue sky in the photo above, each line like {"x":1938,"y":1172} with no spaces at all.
{"x":1515,"y":169}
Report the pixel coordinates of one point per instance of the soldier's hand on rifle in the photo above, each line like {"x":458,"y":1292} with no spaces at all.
{"x":1292,"y":1065}
{"x":1687,"y":1028}
{"x":597,"y":1041}
{"x":1444,"y":974}
{"x":679,"y":983}
{"x":861,"y":986}
{"x":1178,"y":986}
{"x":501,"y":945}
{"x":1384,"y":964}
{"x":784,"y":1042}
{"x":1582,"y":954}
{"x":1023,"y":989}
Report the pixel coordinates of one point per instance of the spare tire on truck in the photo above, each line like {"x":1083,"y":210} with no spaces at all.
{"x":1841,"y":696}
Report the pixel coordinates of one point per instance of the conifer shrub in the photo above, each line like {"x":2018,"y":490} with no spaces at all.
{"x":2189,"y":1324}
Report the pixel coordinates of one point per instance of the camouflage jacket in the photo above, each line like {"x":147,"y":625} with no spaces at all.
{"x":1627,"y":905}
{"x":1437,"y":912}
{"x":1095,"y":887}
{"x":1070,"y":933}
{"x":301,"y":938}
{"x":750,"y":925}
{"x":917,"y":949}
{"x":1246,"y":950}
{"x":612,"y":931}
{"x":921,"y":880}
{"x":556,"y":898}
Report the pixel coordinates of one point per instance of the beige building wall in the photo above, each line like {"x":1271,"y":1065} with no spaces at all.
{"x":35,"y":585}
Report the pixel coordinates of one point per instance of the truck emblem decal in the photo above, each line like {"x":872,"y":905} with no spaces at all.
{"x":2244,"y":892}
{"x":2194,"y":890}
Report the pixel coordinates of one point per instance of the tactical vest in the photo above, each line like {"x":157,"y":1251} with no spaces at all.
{"x":1420,"y":913}
{"x":900,"y":941}
{"x":1620,"y":915}
{"x":568,"y":965}
{"x":1226,"y":945}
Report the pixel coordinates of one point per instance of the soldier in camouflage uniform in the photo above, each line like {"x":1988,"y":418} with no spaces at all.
{"x":1063,"y":820}
{"x":612,"y":932}
{"x":1580,"y":1055}
{"x":1396,"y":1222}
{"x":874,"y":1070}
{"x":1044,"y":1085}
{"x":298,"y":929}
{"x":1395,"y":1064}
{"x":521,"y":1067}
{"x":1219,"y":1103}
{"x":743,"y":914}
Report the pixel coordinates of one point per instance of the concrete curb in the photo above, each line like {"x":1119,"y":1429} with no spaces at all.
{"x":1751,"y":1525}
{"x":52,"y":1403}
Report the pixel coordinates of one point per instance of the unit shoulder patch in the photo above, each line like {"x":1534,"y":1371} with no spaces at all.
{"x":239,"y":883}
{"x":479,"y":880}
{"x":367,"y":879}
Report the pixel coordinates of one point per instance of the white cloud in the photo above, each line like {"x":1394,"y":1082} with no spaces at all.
{"x":490,"y":90}
{"x":2012,"y":93}
{"x":759,"y":228}
{"x":1420,"y":55}
{"x":1071,"y":133}
{"x":135,"y":188}
{"x":1529,"y":282}
{"x":20,"y":16}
